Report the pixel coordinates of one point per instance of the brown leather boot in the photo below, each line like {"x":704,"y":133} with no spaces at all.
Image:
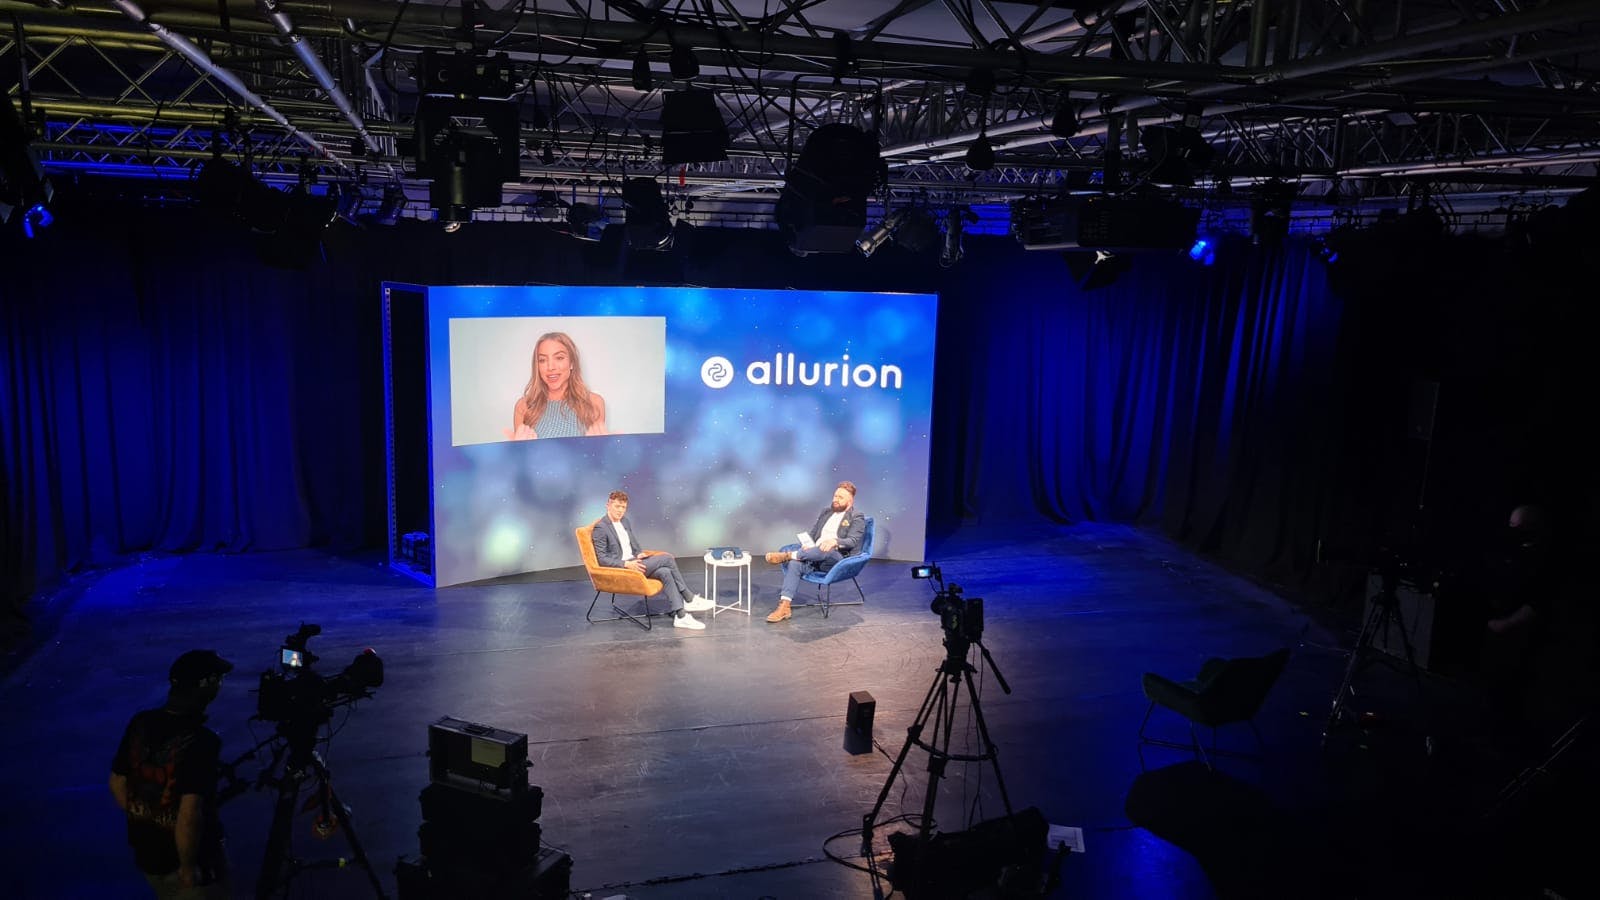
{"x":782,"y":612}
{"x":777,"y":557}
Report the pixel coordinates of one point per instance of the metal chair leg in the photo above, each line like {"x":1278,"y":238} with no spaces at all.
{"x":620,"y":612}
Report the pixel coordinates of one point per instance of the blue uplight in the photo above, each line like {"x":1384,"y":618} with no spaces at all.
{"x":36,"y":217}
{"x":1203,"y":251}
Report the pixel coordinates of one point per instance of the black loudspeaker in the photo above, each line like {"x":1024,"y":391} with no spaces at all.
{"x":1417,"y":611}
{"x":1424,"y":403}
{"x":858,"y":722}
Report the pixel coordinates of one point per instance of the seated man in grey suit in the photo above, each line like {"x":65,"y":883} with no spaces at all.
{"x":615,"y":545}
{"x":840,"y":531}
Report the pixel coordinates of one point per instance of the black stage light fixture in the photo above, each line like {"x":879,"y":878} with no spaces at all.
{"x":917,"y":231}
{"x":642,"y":81}
{"x":823,"y":207}
{"x":25,"y":190}
{"x":390,"y":206}
{"x":980,"y":154}
{"x":1104,"y":222}
{"x":587,"y":221}
{"x":467,"y":136}
{"x":1064,"y":121}
{"x":955,"y":223}
{"x":1270,"y":211}
{"x":683,"y":63}
{"x":1175,"y":154}
{"x":879,"y":235}
{"x":648,"y":225}
{"x":692,"y":129}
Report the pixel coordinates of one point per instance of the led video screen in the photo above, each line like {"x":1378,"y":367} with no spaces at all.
{"x":727,"y":415}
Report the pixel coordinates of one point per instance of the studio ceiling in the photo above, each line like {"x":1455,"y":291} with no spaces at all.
{"x":1360,"y":105}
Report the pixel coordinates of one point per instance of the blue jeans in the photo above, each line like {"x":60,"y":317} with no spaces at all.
{"x":810,"y":559}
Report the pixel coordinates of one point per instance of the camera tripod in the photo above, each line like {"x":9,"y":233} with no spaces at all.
{"x":938,"y":711}
{"x":303,"y":770}
{"x":1385,"y":612}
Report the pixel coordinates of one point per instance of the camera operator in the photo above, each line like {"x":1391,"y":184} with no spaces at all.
{"x":164,"y":778}
{"x":1521,"y":614}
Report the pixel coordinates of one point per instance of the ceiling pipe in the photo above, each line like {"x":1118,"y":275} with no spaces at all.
{"x":273,"y":11}
{"x":205,"y":64}
{"x":1505,"y":25}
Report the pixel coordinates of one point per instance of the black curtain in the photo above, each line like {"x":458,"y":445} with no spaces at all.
{"x":166,"y":390}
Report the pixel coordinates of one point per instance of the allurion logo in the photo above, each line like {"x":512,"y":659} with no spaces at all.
{"x":783,"y":368}
{"x":716,"y":372}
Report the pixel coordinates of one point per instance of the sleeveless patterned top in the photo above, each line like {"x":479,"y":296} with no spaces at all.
{"x":558,"y":420}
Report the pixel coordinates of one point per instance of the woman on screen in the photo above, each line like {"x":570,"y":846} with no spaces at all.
{"x":556,"y":403}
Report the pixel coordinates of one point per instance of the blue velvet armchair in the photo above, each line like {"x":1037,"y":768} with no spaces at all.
{"x":847,"y":568}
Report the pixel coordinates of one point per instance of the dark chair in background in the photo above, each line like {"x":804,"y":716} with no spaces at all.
{"x":849,"y":567}
{"x":1225,"y":691}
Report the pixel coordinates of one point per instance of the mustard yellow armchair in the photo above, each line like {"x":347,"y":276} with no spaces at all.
{"x":608,"y":580}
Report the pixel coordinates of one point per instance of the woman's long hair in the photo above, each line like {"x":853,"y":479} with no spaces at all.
{"x":536,"y":396}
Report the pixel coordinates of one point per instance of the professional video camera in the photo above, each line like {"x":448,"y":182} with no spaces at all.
{"x":295,"y":694}
{"x":960,"y":616}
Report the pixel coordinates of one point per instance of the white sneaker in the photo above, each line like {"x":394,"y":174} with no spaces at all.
{"x":698,"y":604}
{"x":688,"y":621}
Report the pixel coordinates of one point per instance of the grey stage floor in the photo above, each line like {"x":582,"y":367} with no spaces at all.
{"x":711,"y":764}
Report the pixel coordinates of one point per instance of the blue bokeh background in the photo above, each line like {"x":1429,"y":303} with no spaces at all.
{"x":747,"y":464}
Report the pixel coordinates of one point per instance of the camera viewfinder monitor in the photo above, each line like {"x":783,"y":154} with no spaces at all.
{"x":293,"y":659}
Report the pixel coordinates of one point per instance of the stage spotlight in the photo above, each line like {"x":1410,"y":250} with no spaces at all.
{"x":880,"y":234}
{"x":648,"y":225}
{"x":917,"y":232}
{"x":1204,"y":250}
{"x":1175,"y":154}
{"x":467,"y":134}
{"x":683,"y":63}
{"x":547,"y":154}
{"x":1270,"y":211}
{"x":823,"y":207}
{"x":1064,"y":121}
{"x":980,"y":154}
{"x":23,"y":183}
{"x":37,"y":217}
{"x":390,"y":207}
{"x":588,"y":221}
{"x":955,"y":222}
{"x":692,"y":129}
{"x":642,"y":80}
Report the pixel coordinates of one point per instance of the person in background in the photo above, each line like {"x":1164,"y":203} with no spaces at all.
{"x":616,"y":546}
{"x":164,"y":779}
{"x":839,"y":532}
{"x":556,"y":402}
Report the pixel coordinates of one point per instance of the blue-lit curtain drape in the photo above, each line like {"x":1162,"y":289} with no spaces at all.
{"x":1190,"y":398}
{"x":165,"y":390}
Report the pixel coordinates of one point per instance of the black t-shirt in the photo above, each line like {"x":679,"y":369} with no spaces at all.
{"x":165,"y":755}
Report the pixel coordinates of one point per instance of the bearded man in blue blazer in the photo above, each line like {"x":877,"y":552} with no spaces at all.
{"x":840,"y":531}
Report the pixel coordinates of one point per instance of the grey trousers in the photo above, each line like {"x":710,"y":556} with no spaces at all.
{"x":662,"y":566}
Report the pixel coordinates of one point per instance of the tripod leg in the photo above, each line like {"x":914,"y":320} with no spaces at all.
{"x":350,"y":835}
{"x":989,"y":748}
{"x":938,"y":747}
{"x":276,"y":866}
{"x":912,"y":734}
{"x":1347,"y":686}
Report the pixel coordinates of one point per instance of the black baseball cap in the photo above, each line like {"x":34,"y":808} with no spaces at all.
{"x":196,"y":666}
